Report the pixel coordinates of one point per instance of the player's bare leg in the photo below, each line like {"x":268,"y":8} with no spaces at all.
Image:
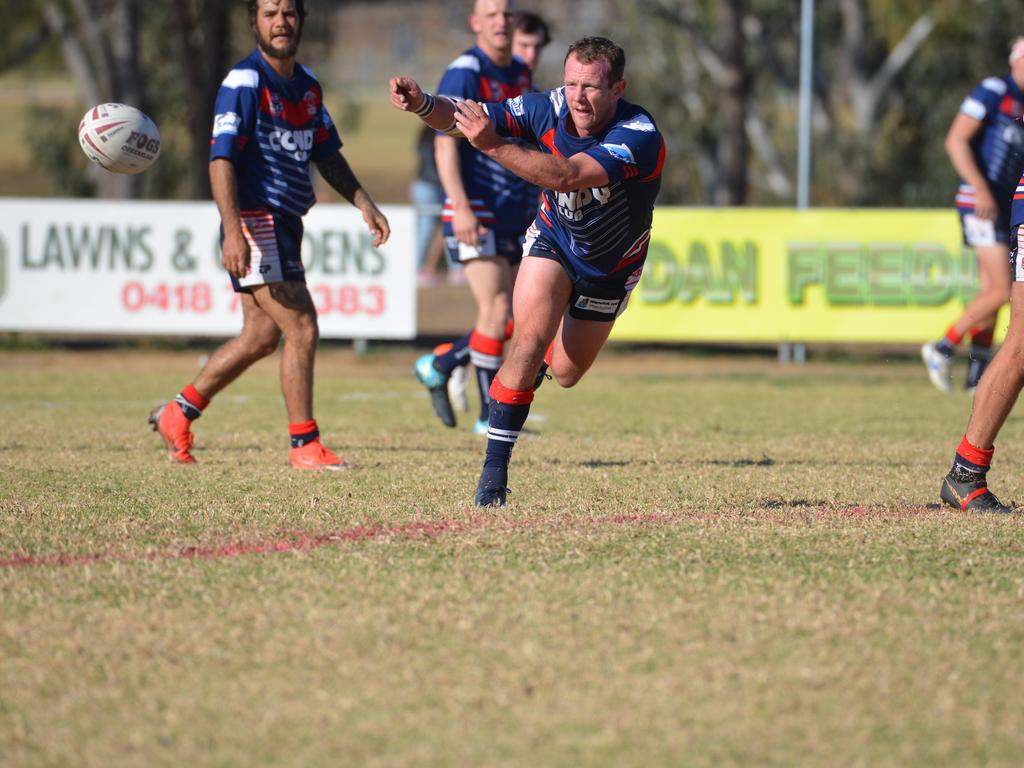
{"x":978,"y":315}
{"x":965,"y":486}
{"x":291,"y":308}
{"x":541,"y":296}
{"x":259,"y":338}
{"x":490,"y":281}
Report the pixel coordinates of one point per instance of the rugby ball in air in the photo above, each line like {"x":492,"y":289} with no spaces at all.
{"x":119,"y":138}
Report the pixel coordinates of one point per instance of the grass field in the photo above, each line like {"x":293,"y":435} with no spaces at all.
{"x":705,"y":561}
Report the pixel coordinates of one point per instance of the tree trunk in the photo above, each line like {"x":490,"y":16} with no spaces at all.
{"x":733,"y":150}
{"x":203,"y":26}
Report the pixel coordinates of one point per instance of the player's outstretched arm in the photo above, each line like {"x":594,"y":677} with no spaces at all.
{"x":338,"y":173}
{"x":561,"y":174}
{"x":436,"y":111}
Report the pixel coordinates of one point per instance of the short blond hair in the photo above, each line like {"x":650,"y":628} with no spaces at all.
{"x":1017,"y":48}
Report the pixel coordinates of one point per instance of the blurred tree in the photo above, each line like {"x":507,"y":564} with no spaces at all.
{"x":721,"y":77}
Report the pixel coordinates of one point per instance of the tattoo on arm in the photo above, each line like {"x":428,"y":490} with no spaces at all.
{"x":337,"y":172}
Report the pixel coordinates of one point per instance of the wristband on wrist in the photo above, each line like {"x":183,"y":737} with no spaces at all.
{"x":426,"y":107}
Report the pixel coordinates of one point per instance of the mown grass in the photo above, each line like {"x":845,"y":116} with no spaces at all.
{"x":704,"y":562}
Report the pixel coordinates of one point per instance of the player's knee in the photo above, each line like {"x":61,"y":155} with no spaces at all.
{"x":305,"y":334}
{"x":567,"y":378}
{"x":260,"y":342}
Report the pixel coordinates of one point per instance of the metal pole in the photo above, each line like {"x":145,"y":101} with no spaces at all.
{"x":806,"y":62}
{"x":798,"y":353}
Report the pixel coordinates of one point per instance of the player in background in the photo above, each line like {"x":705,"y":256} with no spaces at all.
{"x":599,"y":164}
{"x":486,"y":208}
{"x":270,"y":123}
{"x":985,"y":144}
{"x":966,"y":485}
{"x":529,"y":39}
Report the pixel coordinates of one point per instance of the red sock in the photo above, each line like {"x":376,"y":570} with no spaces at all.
{"x":503,"y":394}
{"x":979,"y":457}
{"x":192,"y":395}
{"x":953,"y":337}
{"x":303,"y":433}
{"x":982,"y":338}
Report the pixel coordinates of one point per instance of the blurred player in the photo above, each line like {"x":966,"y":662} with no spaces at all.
{"x":486,"y":209}
{"x":966,"y":485}
{"x":270,"y":123}
{"x":599,"y":165}
{"x":530,"y":38}
{"x":984,"y":144}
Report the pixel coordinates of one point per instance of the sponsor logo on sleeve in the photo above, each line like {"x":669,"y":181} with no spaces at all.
{"x":639,"y":123}
{"x":226,"y":124}
{"x":601,"y":306}
{"x":516,"y":106}
{"x":620,"y":152}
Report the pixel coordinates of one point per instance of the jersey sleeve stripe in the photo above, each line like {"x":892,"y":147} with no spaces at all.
{"x":661,"y":164}
{"x":241,"y":78}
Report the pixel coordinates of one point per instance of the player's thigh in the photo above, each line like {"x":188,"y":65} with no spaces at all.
{"x":290,"y":306}
{"x":488,"y":276}
{"x":257,"y":325}
{"x":994,"y":267}
{"x":540,"y":298}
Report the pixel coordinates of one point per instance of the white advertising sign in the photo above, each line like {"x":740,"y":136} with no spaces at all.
{"x":90,"y":266}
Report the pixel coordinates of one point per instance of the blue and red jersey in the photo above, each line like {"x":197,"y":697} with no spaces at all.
{"x":272,"y":129}
{"x":998,"y":148}
{"x":501,"y":200}
{"x":607,"y":229}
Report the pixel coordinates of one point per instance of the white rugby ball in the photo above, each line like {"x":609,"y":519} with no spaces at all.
{"x":119,"y":138}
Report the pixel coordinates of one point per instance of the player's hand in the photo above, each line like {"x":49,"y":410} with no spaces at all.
{"x":466,"y":226}
{"x":985,"y":206}
{"x":377,"y":223}
{"x":406,"y":94}
{"x":475,"y":125}
{"x":236,"y":254}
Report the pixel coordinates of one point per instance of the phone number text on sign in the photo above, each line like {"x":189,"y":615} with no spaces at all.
{"x":199,"y":298}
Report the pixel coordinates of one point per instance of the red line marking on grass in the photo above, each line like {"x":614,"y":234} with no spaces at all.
{"x":295,"y":540}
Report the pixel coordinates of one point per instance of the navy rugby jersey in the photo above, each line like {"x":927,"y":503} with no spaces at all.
{"x":997,"y":102}
{"x":500,"y":199}
{"x":607,"y":229}
{"x":271,"y":129}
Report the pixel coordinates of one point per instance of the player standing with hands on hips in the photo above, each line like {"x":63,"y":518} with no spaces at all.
{"x":270,"y":124}
{"x":985,"y":145}
{"x":599,"y":165}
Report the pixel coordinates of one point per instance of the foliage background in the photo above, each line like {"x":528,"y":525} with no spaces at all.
{"x":721,"y":78}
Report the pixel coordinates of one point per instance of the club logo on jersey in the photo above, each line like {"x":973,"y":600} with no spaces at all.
{"x":620,"y":152}
{"x":311,"y":101}
{"x":275,"y":104}
{"x":226,"y":123}
{"x":294,"y":143}
{"x":571,"y":204}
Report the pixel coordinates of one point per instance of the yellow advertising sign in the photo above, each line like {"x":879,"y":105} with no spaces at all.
{"x":772,"y":275}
